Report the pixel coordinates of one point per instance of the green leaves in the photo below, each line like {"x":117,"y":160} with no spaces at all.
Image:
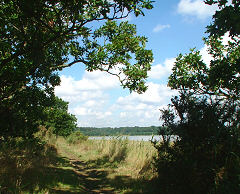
{"x":189,"y":72}
{"x":206,"y":134}
{"x":220,"y":77}
{"x":204,"y":118}
{"x":40,"y":37}
{"x":225,"y":20}
{"x":58,"y":119}
{"x":120,"y":46}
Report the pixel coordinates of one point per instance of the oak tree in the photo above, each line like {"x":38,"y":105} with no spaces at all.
{"x":40,"y":38}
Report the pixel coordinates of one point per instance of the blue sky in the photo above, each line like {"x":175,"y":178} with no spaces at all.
{"x":96,"y":98}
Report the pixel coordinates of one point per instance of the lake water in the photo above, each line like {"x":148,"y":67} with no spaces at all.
{"x":134,"y":138}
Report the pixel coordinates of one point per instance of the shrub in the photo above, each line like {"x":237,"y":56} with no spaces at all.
{"x":76,"y":137}
{"x":205,"y":156}
{"x":21,"y":163}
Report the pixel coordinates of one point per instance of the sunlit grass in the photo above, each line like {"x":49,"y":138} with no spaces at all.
{"x":130,"y":158}
{"x":111,"y":166}
{"x":125,"y":165}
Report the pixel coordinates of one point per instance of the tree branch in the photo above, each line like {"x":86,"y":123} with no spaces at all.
{"x":68,"y":65}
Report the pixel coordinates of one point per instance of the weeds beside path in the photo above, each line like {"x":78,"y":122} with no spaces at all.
{"x":91,"y":179}
{"x":97,"y":176}
{"x":115,"y":166}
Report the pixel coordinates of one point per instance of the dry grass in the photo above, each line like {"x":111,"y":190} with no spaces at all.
{"x":20,"y":162}
{"x":93,"y":166}
{"x":131,"y":158}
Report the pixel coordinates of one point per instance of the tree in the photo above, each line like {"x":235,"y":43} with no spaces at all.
{"x":205,"y":117}
{"x":40,"y":38}
{"x":221,"y":76}
{"x":58,"y":118}
{"x":204,"y":156}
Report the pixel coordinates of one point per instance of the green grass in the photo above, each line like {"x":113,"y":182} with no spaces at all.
{"x":127,"y":165}
{"x":93,"y":166}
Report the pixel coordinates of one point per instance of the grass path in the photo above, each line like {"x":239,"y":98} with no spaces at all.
{"x":76,"y":175}
{"x":91,"y":178}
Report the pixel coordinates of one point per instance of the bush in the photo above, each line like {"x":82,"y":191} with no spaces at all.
{"x":76,"y":137}
{"x":205,"y":157}
{"x":21,"y":163}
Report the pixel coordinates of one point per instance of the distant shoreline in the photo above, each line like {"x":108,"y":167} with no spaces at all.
{"x":119,"y":131}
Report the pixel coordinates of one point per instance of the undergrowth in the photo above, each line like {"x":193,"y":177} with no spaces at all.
{"x":133,"y":158}
{"x":45,"y":165}
{"x":22,"y":162}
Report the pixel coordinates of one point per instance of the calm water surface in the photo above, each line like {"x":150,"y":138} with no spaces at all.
{"x":134,"y":138}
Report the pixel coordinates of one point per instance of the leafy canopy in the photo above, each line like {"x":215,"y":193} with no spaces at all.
{"x":40,"y":38}
{"x":204,"y":157}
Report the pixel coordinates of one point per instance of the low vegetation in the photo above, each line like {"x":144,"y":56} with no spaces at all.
{"x":131,"y":157}
{"x":23,"y":164}
{"x":116,"y":166}
{"x":76,"y":138}
{"x":127,"y":165}
{"x":40,"y":154}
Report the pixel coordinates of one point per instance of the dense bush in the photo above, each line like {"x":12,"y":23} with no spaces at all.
{"x":76,"y":137}
{"x":204,"y":157}
{"x":22,"y":164}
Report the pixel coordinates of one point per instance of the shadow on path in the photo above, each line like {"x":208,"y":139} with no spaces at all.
{"x":71,"y":175}
{"x":94,"y":178}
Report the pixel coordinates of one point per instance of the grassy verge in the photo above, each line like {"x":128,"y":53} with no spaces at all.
{"x":131,"y":157}
{"x":125,"y":166}
{"x":32,"y":166}
{"x":92,"y":166}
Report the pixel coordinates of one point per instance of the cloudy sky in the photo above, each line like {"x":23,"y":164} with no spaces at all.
{"x":96,"y":98}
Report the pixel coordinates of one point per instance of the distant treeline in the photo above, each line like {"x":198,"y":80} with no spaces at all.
{"x":108,"y":131}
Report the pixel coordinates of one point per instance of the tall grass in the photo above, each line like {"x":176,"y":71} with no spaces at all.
{"x":21,"y":161}
{"x":132,"y":158}
{"x":32,"y":166}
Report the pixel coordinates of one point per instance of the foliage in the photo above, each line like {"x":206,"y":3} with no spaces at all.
{"x":40,"y":38}
{"x":22,"y":163}
{"x":206,"y":149}
{"x":58,"y":118}
{"x":204,"y":119}
{"x":91,"y":131}
{"x":226,"y":19}
{"x":221,"y":76}
{"x":76,"y":138}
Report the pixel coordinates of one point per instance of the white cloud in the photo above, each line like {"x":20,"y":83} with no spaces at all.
{"x":205,"y":55}
{"x":91,"y":86}
{"x":123,"y":114}
{"x":196,"y":8}
{"x":143,"y":109}
{"x":90,"y":100}
{"x":82,"y":111}
{"x":160,"y":27}
{"x":88,"y":97}
{"x":162,"y":71}
{"x":96,"y":80}
{"x":157,"y":94}
{"x":94,"y":103}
